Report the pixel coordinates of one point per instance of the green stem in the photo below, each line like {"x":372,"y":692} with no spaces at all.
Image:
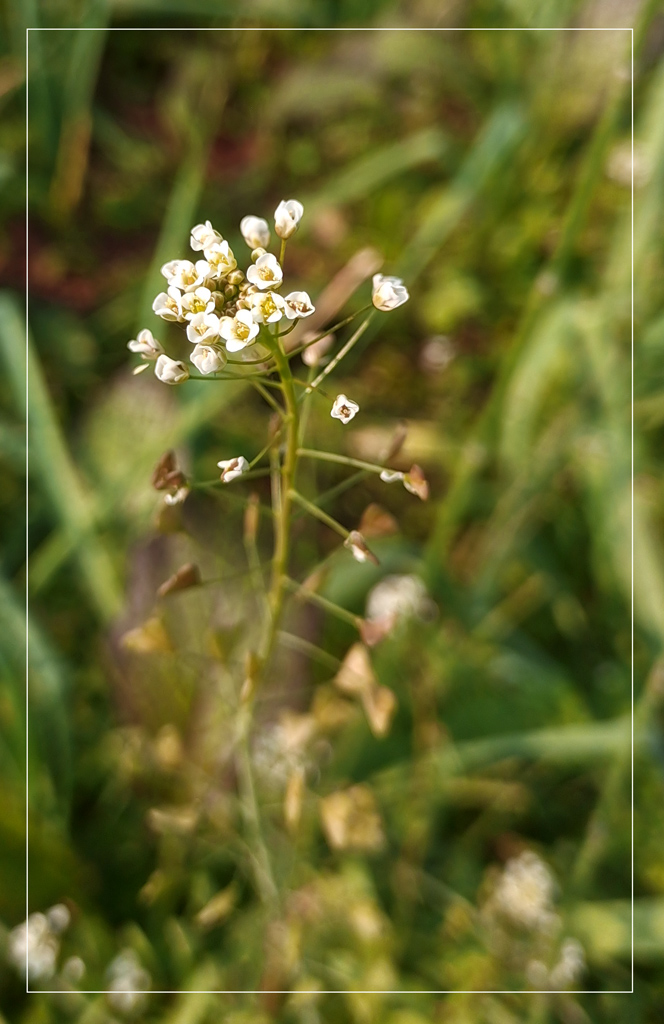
{"x":329,"y":330}
{"x":298,"y":643}
{"x":343,"y":460}
{"x":318,"y":513}
{"x":282,"y":501}
{"x":329,"y":606}
{"x":341,"y":353}
{"x":239,"y":378}
{"x":249,"y":806}
{"x":264,"y":393}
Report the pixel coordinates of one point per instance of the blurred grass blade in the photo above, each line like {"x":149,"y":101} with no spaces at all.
{"x":53,"y":464}
{"x":545,"y":363}
{"x":371,"y":172}
{"x":76,"y":123}
{"x":50,"y":740}
{"x":496,"y":144}
{"x":605,"y":929}
{"x":566,"y":745}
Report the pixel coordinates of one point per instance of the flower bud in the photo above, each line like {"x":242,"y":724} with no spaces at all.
{"x":185,"y":577}
{"x":257,"y":253}
{"x":356,"y":544}
{"x":255,"y":231}
{"x":388,"y":292}
{"x":287,"y":216}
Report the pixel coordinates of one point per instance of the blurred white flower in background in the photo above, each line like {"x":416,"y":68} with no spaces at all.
{"x":316,"y":351}
{"x":620,"y":165}
{"x":127,"y":982}
{"x":524,"y":892}
{"x":436,"y":354}
{"x":399,"y":597}
{"x":34,"y":945}
{"x":570,"y":967}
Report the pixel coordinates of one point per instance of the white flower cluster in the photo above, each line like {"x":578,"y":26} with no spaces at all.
{"x":399,"y":597}
{"x":127,"y":982}
{"x":524,"y":896}
{"x":565,"y":973}
{"x":222,"y":308}
{"x":524,"y":892}
{"x":34,"y":945}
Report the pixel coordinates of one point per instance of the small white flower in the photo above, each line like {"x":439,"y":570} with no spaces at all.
{"x":390,"y":476}
{"x":198,"y":301}
{"x":208,"y":358}
{"x":170,"y":371}
{"x":298,"y":304}
{"x":168,"y":305}
{"x":145,"y":345}
{"x":220,"y":257}
{"x":232,"y":468}
{"x":238,"y":331}
{"x":344,"y":409}
{"x":287,"y":216}
{"x":266,"y":307}
{"x":203,"y":236}
{"x":202,"y":327}
{"x":255,"y":232}
{"x":388,"y":292}
{"x":265,"y":272}
{"x":186,"y":275}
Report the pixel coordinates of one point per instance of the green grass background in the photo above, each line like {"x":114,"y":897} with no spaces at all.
{"x":488,"y":169}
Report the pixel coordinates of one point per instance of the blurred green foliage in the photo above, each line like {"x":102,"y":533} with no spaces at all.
{"x":492,"y":170}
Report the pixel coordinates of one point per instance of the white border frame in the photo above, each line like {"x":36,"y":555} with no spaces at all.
{"x":295,"y":28}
